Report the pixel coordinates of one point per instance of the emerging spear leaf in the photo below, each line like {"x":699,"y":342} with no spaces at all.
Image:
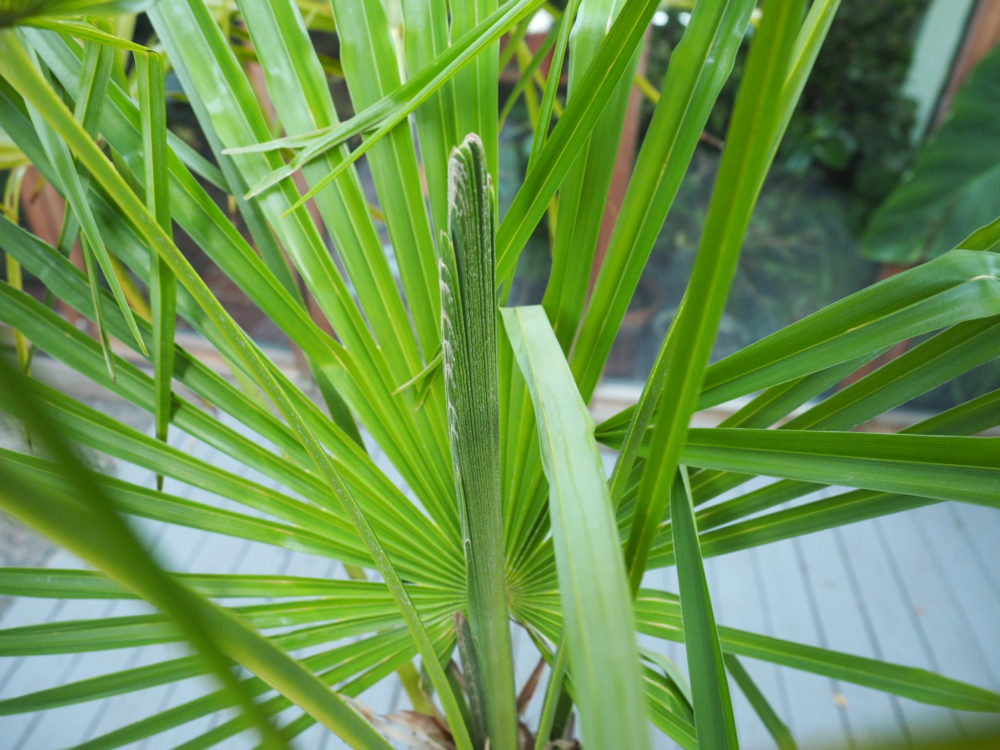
{"x":469,"y":345}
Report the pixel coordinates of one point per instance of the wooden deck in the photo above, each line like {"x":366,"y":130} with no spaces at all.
{"x":920,"y":588}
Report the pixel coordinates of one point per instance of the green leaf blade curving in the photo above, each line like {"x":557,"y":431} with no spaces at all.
{"x":603,"y":656}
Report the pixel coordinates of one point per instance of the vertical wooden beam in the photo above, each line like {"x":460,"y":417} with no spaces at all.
{"x":982,"y":35}
{"x":624,"y":161}
{"x":43,"y":209}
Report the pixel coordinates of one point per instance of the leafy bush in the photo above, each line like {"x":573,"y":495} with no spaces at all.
{"x":853,"y":123}
{"x":953,"y":182}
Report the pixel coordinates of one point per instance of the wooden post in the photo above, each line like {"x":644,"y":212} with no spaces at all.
{"x":624,"y":161}
{"x":43,"y":210}
{"x":982,"y":35}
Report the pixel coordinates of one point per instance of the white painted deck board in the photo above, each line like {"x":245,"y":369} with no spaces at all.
{"x":921,"y":588}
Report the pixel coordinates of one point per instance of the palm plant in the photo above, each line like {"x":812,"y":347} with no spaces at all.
{"x":504,"y":514}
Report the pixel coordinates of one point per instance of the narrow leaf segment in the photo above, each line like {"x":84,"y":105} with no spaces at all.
{"x":744,"y":164}
{"x":713,"y":709}
{"x":163,"y":287}
{"x":603,"y":657}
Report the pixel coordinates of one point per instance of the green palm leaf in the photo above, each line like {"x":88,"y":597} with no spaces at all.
{"x":410,"y":442}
